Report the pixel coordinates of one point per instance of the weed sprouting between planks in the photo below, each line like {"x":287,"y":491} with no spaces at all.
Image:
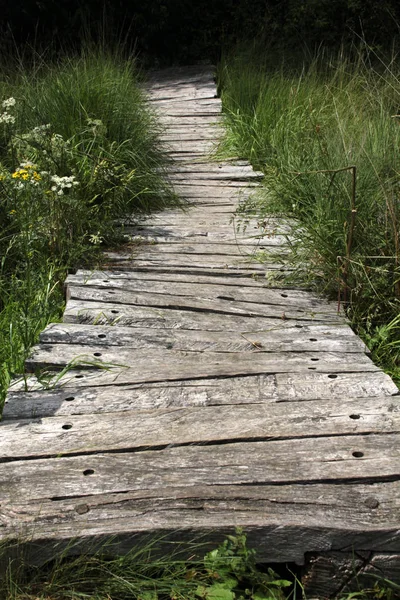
{"x":326,"y":133}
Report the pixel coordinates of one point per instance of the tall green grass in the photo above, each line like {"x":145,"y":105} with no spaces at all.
{"x":79,"y":154}
{"x":326,"y":133}
{"x":154,"y":570}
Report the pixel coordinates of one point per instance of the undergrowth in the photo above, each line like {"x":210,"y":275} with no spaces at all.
{"x":161,"y":570}
{"x":79,"y":154}
{"x":326,"y":132}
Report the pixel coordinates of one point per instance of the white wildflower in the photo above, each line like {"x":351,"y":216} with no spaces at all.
{"x":7,"y":118}
{"x":41,"y":129}
{"x":62,"y":183}
{"x":95,"y":238}
{"x":8,"y":103}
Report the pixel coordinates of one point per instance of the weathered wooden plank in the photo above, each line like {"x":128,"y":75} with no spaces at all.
{"x":223,"y":170}
{"x":188,"y":148}
{"x":138,"y":277}
{"x":215,"y":189}
{"x":225,"y":305}
{"x":217,"y":228}
{"x":135,"y":430}
{"x":293,"y":387}
{"x":180,"y":77}
{"x":128,"y":366}
{"x":215,"y":253}
{"x":228,"y":177}
{"x":69,"y":397}
{"x":206,"y":247}
{"x":214,"y":290}
{"x":172,"y":263}
{"x":172,"y":234}
{"x":282,"y":522}
{"x":239,"y":166}
{"x":272,"y":274}
{"x":191,"y":134}
{"x":337,"y":459}
{"x":186,"y":101}
{"x":144,"y":256}
{"x":185,"y":157}
{"x":194,"y":110}
{"x":312,"y":338}
{"x":158,"y":97}
{"x":211,"y":193}
{"x":59,"y":355}
{"x":219,"y":222}
{"x":189,"y":120}
{"x":108,"y":313}
{"x":195,"y":85}
{"x":217,"y":184}
{"x":227,"y":235}
{"x":187,"y":104}
{"x":162,"y":235}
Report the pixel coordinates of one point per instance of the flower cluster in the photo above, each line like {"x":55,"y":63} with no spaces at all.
{"x":42,"y":146}
{"x":6,"y":117}
{"x":26,"y":173}
{"x":62,"y":183}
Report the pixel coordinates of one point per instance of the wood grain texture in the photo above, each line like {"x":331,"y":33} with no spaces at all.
{"x":213,"y":289}
{"x":221,"y":303}
{"x":204,"y":513}
{"x":81,"y":434}
{"x":155,"y":365}
{"x":211,"y":279}
{"x":67,"y":397}
{"x":311,"y":338}
{"x":334,"y":460}
{"x":108,"y":313}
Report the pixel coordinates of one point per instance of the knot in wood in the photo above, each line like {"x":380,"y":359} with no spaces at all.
{"x":371,"y":503}
{"x":81,"y":509}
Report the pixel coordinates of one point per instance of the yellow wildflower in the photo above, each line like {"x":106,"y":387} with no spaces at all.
{"x":12,"y":212}
{"x":36,"y":176}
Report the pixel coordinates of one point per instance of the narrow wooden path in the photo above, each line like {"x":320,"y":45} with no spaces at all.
{"x":225,"y":401}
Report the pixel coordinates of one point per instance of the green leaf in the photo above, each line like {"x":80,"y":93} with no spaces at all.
{"x":148,"y":595}
{"x":281,"y":583}
{"x":219,"y":591}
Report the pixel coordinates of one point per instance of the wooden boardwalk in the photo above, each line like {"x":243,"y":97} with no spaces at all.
{"x":226,"y":401}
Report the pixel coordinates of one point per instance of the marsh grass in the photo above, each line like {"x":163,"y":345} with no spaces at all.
{"x":310,"y":125}
{"x":79,"y":155}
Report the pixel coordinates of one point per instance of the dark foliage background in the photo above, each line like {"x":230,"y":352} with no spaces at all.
{"x":186,"y":30}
